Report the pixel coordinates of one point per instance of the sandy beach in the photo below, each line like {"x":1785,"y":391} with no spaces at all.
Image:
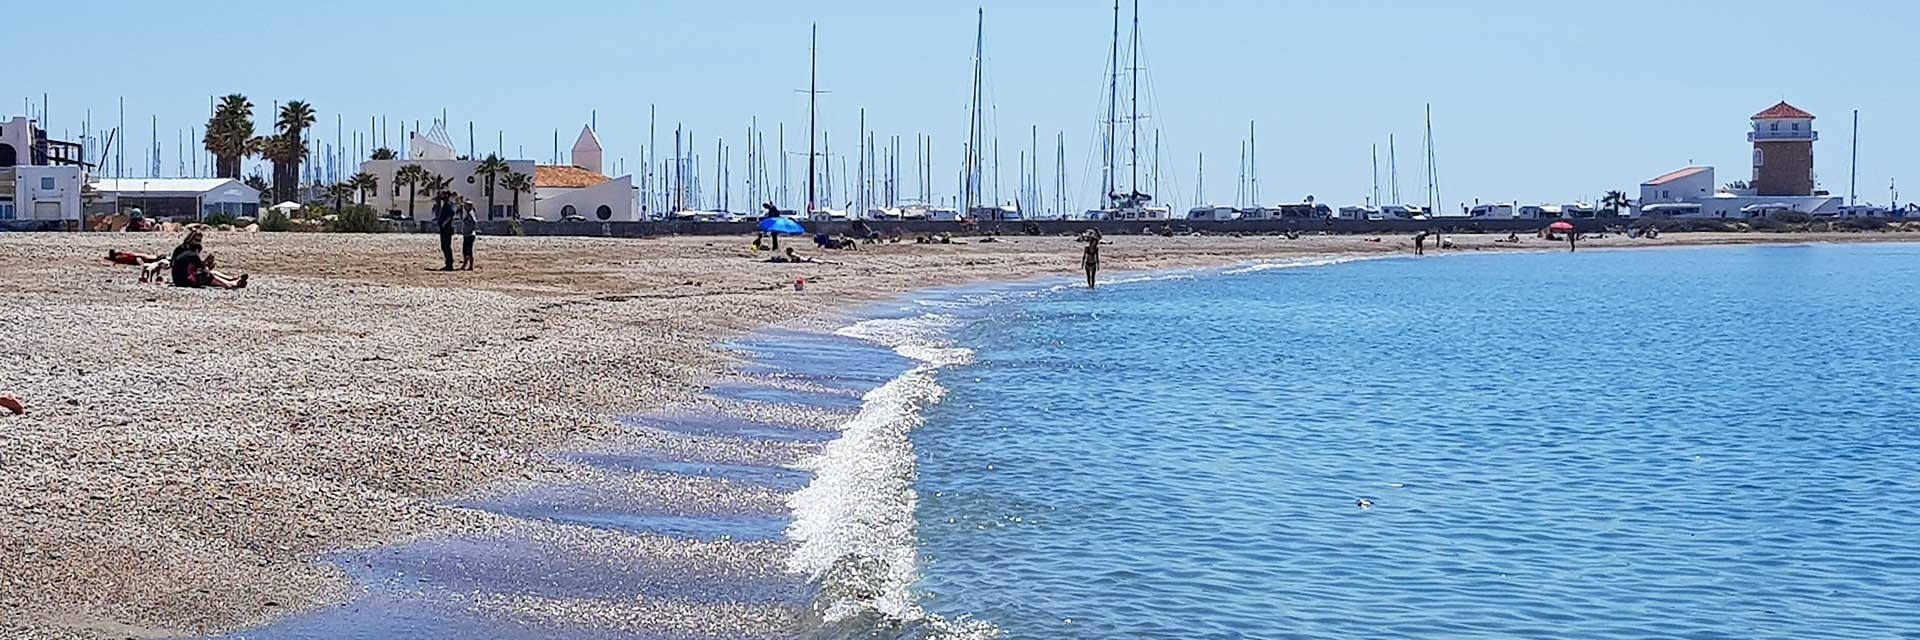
{"x":186,"y":454}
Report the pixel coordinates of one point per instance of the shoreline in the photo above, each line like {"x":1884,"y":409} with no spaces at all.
{"x":343,"y":401}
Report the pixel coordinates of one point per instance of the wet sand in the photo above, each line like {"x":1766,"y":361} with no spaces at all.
{"x":188,"y":456}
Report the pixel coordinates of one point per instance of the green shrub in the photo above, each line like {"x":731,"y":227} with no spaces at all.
{"x":275,"y":220}
{"x":357,"y":218}
{"x":218,"y":219}
{"x":513,"y":227}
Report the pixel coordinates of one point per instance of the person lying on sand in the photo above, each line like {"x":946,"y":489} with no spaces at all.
{"x":193,"y":266}
{"x":150,"y":266}
{"x":793,"y":257}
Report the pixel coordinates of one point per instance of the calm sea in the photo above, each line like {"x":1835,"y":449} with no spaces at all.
{"x":1693,"y":443}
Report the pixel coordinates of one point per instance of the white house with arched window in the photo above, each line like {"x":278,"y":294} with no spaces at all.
{"x":581,"y":190}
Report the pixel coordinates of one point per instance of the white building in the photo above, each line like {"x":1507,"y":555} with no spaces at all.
{"x":1691,"y":184}
{"x":1691,"y":193}
{"x":1782,"y":138}
{"x":581,"y":190}
{"x":434,"y":153}
{"x":578,"y":190}
{"x":40,"y":179}
{"x":193,"y":198}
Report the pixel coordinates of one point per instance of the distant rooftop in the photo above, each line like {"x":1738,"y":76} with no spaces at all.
{"x":1783,"y":111}
{"x":1676,"y":175}
{"x":565,"y":177}
{"x":183,"y":186}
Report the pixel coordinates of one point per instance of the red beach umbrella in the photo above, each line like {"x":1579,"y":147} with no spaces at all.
{"x":1561,"y":226}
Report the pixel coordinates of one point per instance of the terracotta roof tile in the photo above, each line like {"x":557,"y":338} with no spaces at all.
{"x":1783,"y":111}
{"x":565,"y":177}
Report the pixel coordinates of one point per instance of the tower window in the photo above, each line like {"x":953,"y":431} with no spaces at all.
{"x":1796,"y":126}
{"x":1776,"y":126}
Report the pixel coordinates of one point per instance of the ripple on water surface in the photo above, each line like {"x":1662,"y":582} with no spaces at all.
{"x":1703,"y":443}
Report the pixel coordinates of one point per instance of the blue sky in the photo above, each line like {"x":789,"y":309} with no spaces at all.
{"x":1533,"y":101}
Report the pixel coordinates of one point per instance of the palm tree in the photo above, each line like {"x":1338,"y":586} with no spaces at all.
{"x":295,"y":117}
{"x":259,"y":184}
{"x":434,"y":183}
{"x":517,"y":183}
{"x":492,"y":168}
{"x":365,"y":183}
{"x":383,"y":153}
{"x":229,"y":135}
{"x":276,"y":151}
{"x":1616,"y":201}
{"x":411,"y":177}
{"x":339,"y":192}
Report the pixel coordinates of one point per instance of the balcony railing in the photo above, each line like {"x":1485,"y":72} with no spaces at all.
{"x":1760,"y":136}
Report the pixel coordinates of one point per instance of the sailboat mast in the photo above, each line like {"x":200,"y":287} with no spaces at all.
{"x":1200,"y":190}
{"x":1373,"y":198}
{"x":1060,"y":172}
{"x":1253,"y":168}
{"x":860,"y":165}
{"x":1133,"y":102}
{"x":1393,"y":170}
{"x":1853,"y":166}
{"x":970,"y":187}
{"x":1433,"y":173}
{"x":813,"y":110}
{"x":1113,"y":108}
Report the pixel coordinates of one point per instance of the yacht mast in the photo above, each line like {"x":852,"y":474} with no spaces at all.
{"x":1433,"y":173}
{"x":1200,"y":191}
{"x":971,"y":178}
{"x":863,"y":144}
{"x":1853,"y":182}
{"x":1253,"y":168}
{"x":1113,"y":108}
{"x":813,"y":111}
{"x":1393,"y":169}
{"x":1133,"y":102}
{"x":1374,"y":197}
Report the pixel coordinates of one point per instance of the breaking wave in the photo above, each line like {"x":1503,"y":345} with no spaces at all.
{"x":853,"y":525}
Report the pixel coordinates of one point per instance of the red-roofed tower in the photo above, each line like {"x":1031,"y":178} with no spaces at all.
{"x":1783,"y":138}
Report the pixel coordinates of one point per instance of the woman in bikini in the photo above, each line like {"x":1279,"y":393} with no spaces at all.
{"x":1090,"y":256}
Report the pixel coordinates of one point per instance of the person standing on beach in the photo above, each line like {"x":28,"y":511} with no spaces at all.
{"x":1571,"y":237}
{"x":1090,"y":256}
{"x":469,"y":227}
{"x":443,"y":215}
{"x":1420,"y":243}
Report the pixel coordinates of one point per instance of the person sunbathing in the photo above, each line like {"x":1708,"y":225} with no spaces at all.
{"x":793,"y":257}
{"x":150,"y":266}
{"x":192,"y":266}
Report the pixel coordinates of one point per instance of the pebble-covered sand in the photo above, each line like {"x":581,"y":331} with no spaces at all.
{"x":186,"y":453}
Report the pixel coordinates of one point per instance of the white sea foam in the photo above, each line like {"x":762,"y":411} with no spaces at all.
{"x":1296,"y":263}
{"x":854,"y":523}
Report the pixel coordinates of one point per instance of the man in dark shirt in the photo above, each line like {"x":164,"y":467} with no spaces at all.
{"x":444,"y":213}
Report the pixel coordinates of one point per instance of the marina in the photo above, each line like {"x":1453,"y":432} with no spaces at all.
{"x":845,"y":321}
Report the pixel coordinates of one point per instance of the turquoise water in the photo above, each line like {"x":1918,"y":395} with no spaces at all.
{"x":1711,"y":443}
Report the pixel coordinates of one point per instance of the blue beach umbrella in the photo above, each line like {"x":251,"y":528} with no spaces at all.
{"x":776,"y":225}
{"x":782,"y":224}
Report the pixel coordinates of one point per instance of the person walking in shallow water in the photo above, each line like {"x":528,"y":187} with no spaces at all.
{"x":1571,"y":238}
{"x":1090,"y":256}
